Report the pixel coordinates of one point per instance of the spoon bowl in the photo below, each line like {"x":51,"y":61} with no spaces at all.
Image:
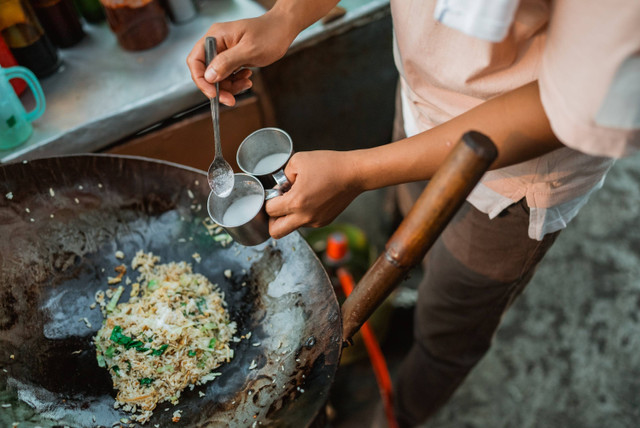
{"x":220,"y":177}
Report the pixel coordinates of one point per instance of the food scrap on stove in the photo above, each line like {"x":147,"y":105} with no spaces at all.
{"x":120,"y":270}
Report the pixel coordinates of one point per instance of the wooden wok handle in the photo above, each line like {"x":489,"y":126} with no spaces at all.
{"x":436,"y":206}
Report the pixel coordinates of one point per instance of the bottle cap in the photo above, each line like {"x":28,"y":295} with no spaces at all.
{"x":337,"y":247}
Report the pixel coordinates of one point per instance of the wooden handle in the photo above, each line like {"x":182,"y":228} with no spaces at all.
{"x":436,"y":206}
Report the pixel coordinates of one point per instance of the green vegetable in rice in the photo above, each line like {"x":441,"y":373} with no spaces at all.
{"x":160,"y":350}
{"x":163,"y":336}
{"x":114,"y":299}
{"x":146,"y":381}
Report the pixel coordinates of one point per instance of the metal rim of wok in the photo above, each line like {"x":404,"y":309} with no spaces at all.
{"x":62,"y":220}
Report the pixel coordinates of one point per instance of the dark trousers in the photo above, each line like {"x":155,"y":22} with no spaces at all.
{"x":472,"y":275}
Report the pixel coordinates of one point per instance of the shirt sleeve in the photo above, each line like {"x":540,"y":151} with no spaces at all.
{"x":590,"y":76}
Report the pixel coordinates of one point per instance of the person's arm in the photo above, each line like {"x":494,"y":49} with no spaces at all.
{"x":515,"y":122}
{"x":325,"y":182}
{"x":254,"y":42}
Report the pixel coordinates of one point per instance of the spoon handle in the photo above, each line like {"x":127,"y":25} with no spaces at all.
{"x":209,"y":53}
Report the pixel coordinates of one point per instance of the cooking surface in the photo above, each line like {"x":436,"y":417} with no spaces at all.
{"x":62,"y":223}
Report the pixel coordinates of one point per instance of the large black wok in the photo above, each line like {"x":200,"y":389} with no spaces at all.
{"x":61,"y":222}
{"x":59,"y":232}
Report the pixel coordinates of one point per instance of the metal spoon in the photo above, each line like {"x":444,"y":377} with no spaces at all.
{"x":220,"y":174}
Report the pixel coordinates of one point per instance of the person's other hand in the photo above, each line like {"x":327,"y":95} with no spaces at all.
{"x":323,"y":184}
{"x":254,"y":42}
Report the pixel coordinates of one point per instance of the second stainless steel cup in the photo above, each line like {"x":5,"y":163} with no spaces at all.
{"x":264,"y":154}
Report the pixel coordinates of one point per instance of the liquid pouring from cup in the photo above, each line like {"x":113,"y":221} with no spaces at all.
{"x":220,"y":174}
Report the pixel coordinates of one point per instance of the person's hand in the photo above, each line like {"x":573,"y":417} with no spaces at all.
{"x":255,"y":42}
{"x":323,"y":184}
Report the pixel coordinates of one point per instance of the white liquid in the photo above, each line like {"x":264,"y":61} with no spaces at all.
{"x":270,"y":163}
{"x":221,"y":182}
{"x":242,"y":210}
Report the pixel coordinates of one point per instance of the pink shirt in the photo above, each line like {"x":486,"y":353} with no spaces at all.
{"x":577,"y":49}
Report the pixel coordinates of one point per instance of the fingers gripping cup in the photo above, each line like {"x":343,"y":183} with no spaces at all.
{"x":242,"y":213}
{"x":264,"y":154}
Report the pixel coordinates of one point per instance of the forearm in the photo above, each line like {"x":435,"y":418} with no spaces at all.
{"x":300,"y":14}
{"x":515,"y":121}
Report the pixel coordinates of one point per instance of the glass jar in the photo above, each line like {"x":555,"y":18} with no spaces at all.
{"x":138,"y":24}
{"x":26,"y":39}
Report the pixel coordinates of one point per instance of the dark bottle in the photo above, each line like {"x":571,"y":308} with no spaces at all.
{"x":26,"y":39}
{"x":60,"y":21}
{"x":91,"y":10}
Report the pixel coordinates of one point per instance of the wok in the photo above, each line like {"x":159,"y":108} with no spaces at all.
{"x":62,"y":220}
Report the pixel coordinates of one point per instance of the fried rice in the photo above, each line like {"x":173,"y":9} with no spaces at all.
{"x":172,"y":333}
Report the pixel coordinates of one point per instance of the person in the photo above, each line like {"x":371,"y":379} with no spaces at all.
{"x":555,"y":85}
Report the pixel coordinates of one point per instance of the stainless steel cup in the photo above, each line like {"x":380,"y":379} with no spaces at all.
{"x":261,"y":145}
{"x":252,"y":227}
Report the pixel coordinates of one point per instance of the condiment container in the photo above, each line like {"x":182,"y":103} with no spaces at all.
{"x":138,"y":24}
{"x":26,"y":39}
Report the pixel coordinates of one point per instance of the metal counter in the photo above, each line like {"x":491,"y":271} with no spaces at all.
{"x":103,"y":93}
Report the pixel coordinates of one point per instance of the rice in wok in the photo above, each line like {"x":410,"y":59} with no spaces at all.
{"x":173,"y":333}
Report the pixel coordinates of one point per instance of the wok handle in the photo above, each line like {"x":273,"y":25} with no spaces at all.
{"x":436,"y":206}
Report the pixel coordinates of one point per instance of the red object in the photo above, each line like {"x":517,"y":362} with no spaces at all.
{"x":337,"y":247}
{"x":7,"y":60}
{"x":378,"y":362}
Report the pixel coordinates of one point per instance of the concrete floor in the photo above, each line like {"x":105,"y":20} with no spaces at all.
{"x":568,"y":352}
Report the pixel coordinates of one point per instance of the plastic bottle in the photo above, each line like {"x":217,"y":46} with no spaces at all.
{"x":346,"y":246}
